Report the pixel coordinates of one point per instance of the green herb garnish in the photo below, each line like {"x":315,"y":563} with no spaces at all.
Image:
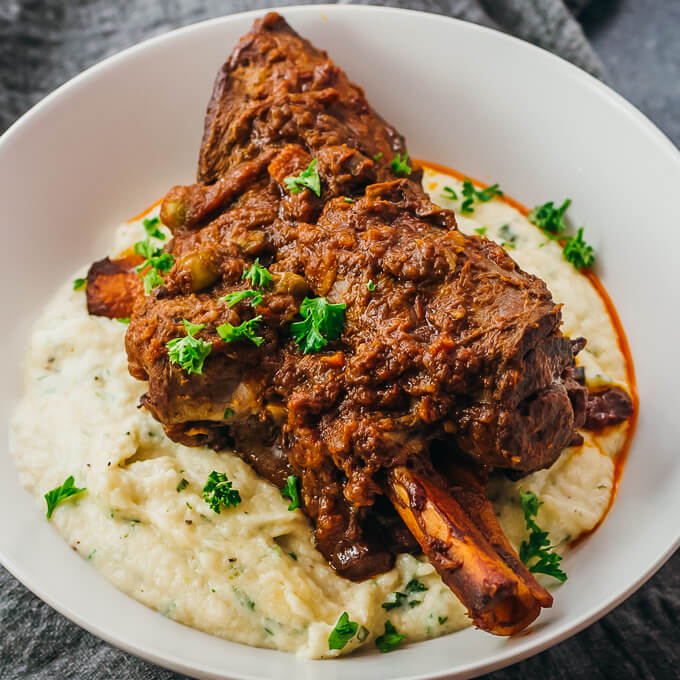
{"x":342,"y":633}
{"x":59,"y":494}
{"x":450,"y":194}
{"x":258,"y":275}
{"x":307,"y":179}
{"x":538,"y":546}
{"x":378,"y":156}
{"x":322,"y":322}
{"x":183,"y":483}
{"x":291,"y":492}
{"x":79,"y":283}
{"x":228,"y":413}
{"x":481,"y":195}
{"x":442,"y":620}
{"x":347,"y":199}
{"x":549,"y":218}
{"x":234,"y":298}
{"x":395,"y":599}
{"x":218,"y":492}
{"x":244,"y":331}
{"x":151,"y":227}
{"x":578,"y":252}
{"x":390,"y":639}
{"x":156,"y":260}
{"x":371,"y":286}
{"x":189,"y":352}
{"x":415,"y":586}
{"x":124,"y":320}
{"x":400,"y":165}
{"x":481,"y":230}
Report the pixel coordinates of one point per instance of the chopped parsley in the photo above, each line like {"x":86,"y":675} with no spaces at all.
{"x":481,"y":230}
{"x":400,"y":165}
{"x":218,"y":492}
{"x":183,"y":484}
{"x":228,"y":413}
{"x":79,"y":283}
{"x":258,"y":275}
{"x":151,"y":227}
{"x":378,"y":156}
{"x":471,"y":194}
{"x":450,"y":194}
{"x":156,"y":260}
{"x":415,"y":586}
{"x":307,"y":179}
{"x":549,"y":218}
{"x":389,"y":640}
{"x":347,"y":199}
{"x":292,"y":492}
{"x":370,"y":285}
{"x":578,"y":252}
{"x":343,"y":632}
{"x":189,"y":352}
{"x":124,"y":320}
{"x":507,"y":234}
{"x":322,"y":322}
{"x":538,"y":546}
{"x":59,"y":494}
{"x":234,"y":298}
{"x":442,"y":620}
{"x":395,"y":599}
{"x":244,"y":331}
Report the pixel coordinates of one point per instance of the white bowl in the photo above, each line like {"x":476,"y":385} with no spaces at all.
{"x":115,"y":138}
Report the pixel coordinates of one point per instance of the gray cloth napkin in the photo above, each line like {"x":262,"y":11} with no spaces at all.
{"x":43,"y":44}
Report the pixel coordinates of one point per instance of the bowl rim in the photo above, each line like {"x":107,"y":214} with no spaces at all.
{"x":529,"y":646}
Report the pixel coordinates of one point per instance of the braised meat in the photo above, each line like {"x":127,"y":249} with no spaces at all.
{"x":445,"y":339}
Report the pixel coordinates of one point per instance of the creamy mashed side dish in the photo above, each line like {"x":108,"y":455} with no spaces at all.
{"x":251,"y":573}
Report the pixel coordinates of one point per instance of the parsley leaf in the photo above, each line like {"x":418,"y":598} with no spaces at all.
{"x":549,"y":218}
{"x":378,"y":156}
{"x":343,"y":632}
{"x":307,"y":179}
{"x":291,"y":492}
{"x":400,"y":165}
{"x":60,"y":494}
{"x":389,"y":640}
{"x":442,"y":620}
{"x":151,"y":227}
{"x":578,"y":252}
{"x":415,"y":586}
{"x":322,"y":322}
{"x":189,"y":352}
{"x":234,"y":298}
{"x":481,"y":195}
{"x":538,"y":546}
{"x":228,"y":413}
{"x":244,"y":331}
{"x":217,"y":492}
{"x":258,"y":275}
{"x":79,"y":283}
{"x":507,"y":234}
{"x":183,"y":483}
{"x":450,"y":194}
{"x":124,"y":320}
{"x":395,"y":599}
{"x":481,"y":230}
{"x":370,"y":285}
{"x":156,"y":259}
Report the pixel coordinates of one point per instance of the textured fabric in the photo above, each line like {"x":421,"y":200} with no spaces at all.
{"x":42,"y":44}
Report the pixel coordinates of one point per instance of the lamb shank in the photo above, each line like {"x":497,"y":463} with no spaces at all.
{"x":448,"y":361}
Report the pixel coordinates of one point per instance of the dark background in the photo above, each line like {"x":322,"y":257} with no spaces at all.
{"x":638,"y":42}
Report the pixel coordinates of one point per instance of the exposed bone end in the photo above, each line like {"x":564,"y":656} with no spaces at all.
{"x":499,"y":598}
